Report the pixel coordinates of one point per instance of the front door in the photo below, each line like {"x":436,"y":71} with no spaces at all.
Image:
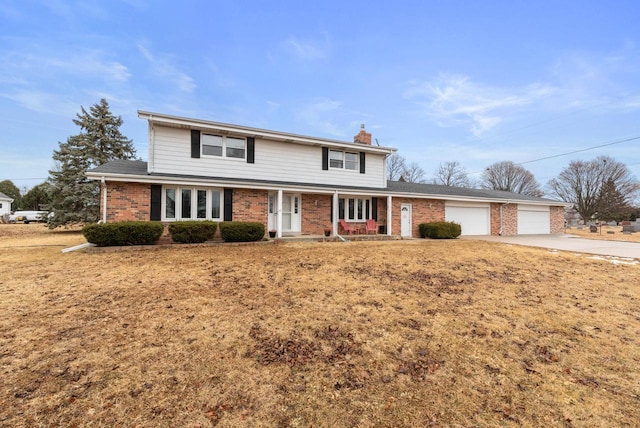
{"x":291,"y":212}
{"x":405,"y":220}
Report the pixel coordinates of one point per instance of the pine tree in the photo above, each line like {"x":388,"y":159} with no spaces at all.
{"x":612,"y":204}
{"x":74,"y":198}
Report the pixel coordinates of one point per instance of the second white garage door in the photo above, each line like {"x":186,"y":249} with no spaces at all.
{"x":533,"y":220}
{"x":474,"y":219}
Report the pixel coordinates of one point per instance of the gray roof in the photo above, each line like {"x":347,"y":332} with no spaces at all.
{"x":437,"y":189}
{"x":120,"y":166}
{"x":3,"y":196}
{"x":139,"y":168}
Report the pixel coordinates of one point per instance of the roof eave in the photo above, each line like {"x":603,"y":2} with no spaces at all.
{"x":246,"y":131}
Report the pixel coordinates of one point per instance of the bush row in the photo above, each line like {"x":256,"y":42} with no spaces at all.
{"x":123,"y":233}
{"x":440,"y":230}
{"x":191,"y":232}
{"x":148,"y":232}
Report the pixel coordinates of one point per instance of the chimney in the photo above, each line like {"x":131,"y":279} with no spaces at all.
{"x":363,"y":136}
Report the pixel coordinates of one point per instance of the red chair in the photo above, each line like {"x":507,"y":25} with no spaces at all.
{"x":372,"y":226}
{"x":349,"y":230}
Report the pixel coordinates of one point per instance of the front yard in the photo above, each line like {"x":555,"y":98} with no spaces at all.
{"x":395,"y":334}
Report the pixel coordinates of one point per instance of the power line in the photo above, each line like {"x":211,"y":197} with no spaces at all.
{"x":581,"y":150}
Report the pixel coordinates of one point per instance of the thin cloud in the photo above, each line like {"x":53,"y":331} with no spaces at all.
{"x":320,"y":115}
{"x":454,"y":100}
{"x":307,"y":49}
{"x":163,"y":67}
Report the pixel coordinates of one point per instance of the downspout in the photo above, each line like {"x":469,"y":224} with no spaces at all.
{"x":335,"y":217}
{"x":152,"y":141}
{"x":104,"y":200}
{"x":507,"y":203}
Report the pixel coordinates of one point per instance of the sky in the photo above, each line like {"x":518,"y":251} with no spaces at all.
{"x":475,"y":82}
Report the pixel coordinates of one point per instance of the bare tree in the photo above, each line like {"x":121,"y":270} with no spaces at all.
{"x":413,"y":173}
{"x":396,"y":165}
{"x":582,"y":184}
{"x":510,"y":177}
{"x":452,"y":174}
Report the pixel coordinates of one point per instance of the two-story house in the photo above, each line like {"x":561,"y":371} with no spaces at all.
{"x":296,"y":184}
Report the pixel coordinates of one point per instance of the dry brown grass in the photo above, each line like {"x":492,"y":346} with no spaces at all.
{"x":617,"y":234}
{"x":388,"y":334}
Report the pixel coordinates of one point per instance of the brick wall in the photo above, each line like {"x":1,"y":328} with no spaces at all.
{"x":316,"y":213}
{"x":250,"y":205}
{"x":557,"y":219}
{"x":127,"y":201}
{"x":422,"y":211}
{"x":509,"y":219}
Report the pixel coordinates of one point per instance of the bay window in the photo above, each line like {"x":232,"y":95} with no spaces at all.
{"x":354,"y":209}
{"x":185,"y":203}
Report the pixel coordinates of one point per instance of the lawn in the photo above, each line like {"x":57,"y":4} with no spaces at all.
{"x":370,"y":334}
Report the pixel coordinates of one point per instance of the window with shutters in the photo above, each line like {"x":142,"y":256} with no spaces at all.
{"x":191,"y":203}
{"x":343,"y":160}
{"x":223,"y":146}
{"x":355,"y":209}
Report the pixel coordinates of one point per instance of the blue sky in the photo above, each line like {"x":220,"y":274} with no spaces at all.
{"x":470,"y":81}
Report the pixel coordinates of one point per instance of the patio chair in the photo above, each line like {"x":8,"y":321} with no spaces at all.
{"x":349,"y":230}
{"x":371,"y":226}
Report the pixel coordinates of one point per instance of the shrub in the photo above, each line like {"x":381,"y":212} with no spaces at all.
{"x":440,"y":230}
{"x":123,"y":233}
{"x":241,"y":231}
{"x":190,"y":232}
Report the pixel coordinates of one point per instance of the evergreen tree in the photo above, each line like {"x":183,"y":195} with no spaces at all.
{"x":74,"y":198}
{"x":11,"y":190}
{"x":612,"y":204}
{"x":36,"y":199}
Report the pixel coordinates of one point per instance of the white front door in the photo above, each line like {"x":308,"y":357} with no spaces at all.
{"x":405,"y":220}
{"x":291,"y":212}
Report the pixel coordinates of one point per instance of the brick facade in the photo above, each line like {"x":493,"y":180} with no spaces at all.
{"x":316,"y":213}
{"x":557,"y":219}
{"x":132,"y":201}
{"x":126,"y":201}
{"x":509,"y":219}
{"x":422,"y":211}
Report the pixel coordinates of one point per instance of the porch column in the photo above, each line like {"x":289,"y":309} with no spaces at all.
{"x":389,"y":219}
{"x":279,"y":214}
{"x":335,"y":214}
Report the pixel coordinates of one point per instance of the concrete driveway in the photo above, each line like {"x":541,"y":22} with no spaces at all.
{"x":570,"y":243}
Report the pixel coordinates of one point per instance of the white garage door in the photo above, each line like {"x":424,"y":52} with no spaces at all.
{"x":474,"y":219}
{"x":533,"y":220}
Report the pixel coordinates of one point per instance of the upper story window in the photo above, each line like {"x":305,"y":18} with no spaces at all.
{"x":223,"y":146}
{"x":343,"y":160}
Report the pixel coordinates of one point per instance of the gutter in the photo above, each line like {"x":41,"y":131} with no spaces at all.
{"x":104,"y":200}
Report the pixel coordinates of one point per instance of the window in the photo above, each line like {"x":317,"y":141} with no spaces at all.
{"x":211,"y":145}
{"x":235,"y":148}
{"x":357,"y":209}
{"x":351,"y":161}
{"x":343,"y":160}
{"x":336,"y":159}
{"x":221,"y":146}
{"x":191,"y":203}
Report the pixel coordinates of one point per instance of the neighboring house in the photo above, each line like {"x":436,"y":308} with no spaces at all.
{"x":296,"y":184}
{"x":5,"y":204}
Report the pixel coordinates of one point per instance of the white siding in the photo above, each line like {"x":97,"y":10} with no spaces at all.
{"x":533,"y":220}
{"x":274,"y":161}
{"x":474,"y":219}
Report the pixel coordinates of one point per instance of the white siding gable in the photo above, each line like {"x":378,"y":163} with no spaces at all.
{"x":170,"y":153}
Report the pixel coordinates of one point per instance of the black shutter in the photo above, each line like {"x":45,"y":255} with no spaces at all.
{"x":195,"y":143}
{"x":228,"y":204}
{"x":325,"y":158}
{"x":251,"y":150}
{"x":362,"y":158}
{"x":374,"y":208}
{"x":156,"y":202}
